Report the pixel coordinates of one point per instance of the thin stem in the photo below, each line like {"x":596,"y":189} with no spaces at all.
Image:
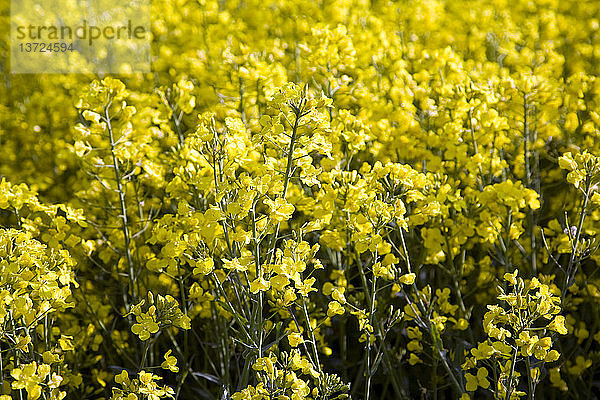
{"x":531,"y":394}
{"x":475,"y":148}
{"x":186,"y":339}
{"x":571,"y":268}
{"x":125,"y":223}
{"x":380,"y":330}
{"x":526,"y":140}
{"x":146,"y":347}
{"x":434,"y":378}
{"x":512,"y":372}
{"x":290,"y":161}
{"x":312,"y":335}
{"x":438,"y":346}
{"x":259,"y":275}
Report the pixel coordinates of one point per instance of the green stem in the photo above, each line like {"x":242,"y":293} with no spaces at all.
{"x":531,"y":394}
{"x":571,"y":269}
{"x":288,"y":168}
{"x":312,"y":335}
{"x":512,"y":372}
{"x":526,"y":140}
{"x":380,"y":330}
{"x":434,"y":378}
{"x":146,"y":347}
{"x":259,"y":274}
{"x":125,"y":223}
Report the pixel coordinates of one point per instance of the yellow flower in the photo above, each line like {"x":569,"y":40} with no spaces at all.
{"x":122,"y":378}
{"x":483,"y":351}
{"x":295,"y":339}
{"x":334,"y":308}
{"x":259,"y":284}
{"x":512,"y":278}
{"x":558,"y":325}
{"x":279,"y":282}
{"x":462,"y":324}
{"x":479,"y":380}
{"x":407,"y":279}
{"x":414,"y":359}
{"x":415,"y":346}
{"x":281,"y":210}
{"x":26,"y":378}
{"x":235,"y":264}
{"x":145,"y":326}
{"x":204,"y":267}
{"x":552,"y":355}
{"x":170,"y":362}
{"x":556,"y":380}
{"x":304,"y":287}
{"x":580,"y":365}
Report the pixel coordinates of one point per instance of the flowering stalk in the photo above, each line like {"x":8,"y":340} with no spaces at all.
{"x":124,"y":222}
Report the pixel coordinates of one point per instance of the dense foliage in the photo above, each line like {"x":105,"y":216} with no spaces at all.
{"x":310,"y":200}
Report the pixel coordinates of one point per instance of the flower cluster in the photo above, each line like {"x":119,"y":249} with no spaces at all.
{"x":522,"y":331}
{"x":309,"y":201}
